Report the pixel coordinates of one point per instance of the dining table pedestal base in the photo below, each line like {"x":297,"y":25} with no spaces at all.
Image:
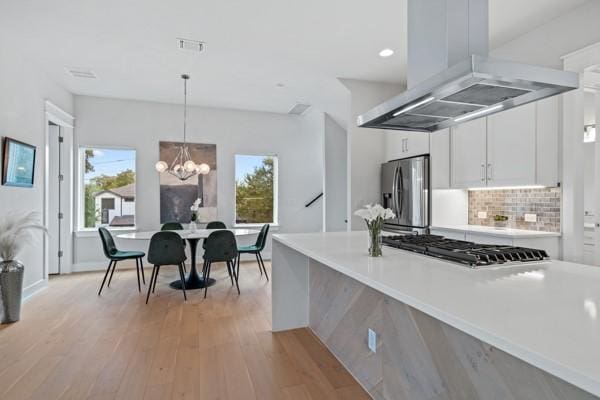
{"x":192,"y":282}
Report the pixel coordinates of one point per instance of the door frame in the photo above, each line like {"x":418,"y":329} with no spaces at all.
{"x":572,"y":210}
{"x":54,"y":114}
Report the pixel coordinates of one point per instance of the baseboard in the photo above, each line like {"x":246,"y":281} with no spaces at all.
{"x":92,"y":266}
{"x":34,"y":289}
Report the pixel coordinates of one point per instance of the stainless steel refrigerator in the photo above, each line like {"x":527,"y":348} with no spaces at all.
{"x":405,"y":189}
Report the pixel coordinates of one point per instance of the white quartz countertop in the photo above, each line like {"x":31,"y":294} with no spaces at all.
{"x":497,"y":231}
{"x":545,"y":314}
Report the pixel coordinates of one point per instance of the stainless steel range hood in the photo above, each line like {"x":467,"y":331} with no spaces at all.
{"x":463,"y":83}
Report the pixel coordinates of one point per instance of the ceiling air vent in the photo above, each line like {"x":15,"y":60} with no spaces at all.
{"x":299,"y":109}
{"x":82,"y":73}
{"x":191,"y":45}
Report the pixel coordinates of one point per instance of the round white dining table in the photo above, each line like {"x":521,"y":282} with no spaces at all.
{"x":193,"y":280}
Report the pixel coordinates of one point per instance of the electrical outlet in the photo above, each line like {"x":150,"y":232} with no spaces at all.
{"x":530,"y":217}
{"x":482,"y":215}
{"x":372,"y":340}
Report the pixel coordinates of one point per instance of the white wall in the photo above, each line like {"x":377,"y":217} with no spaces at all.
{"x":547,"y":43}
{"x":23,"y":91}
{"x":141,"y":125}
{"x":366,"y":147}
{"x":449,"y":207}
{"x":336,"y":170}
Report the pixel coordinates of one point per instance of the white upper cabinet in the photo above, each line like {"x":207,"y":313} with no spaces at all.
{"x":468,"y":154}
{"x":511,"y":143}
{"x":439,"y":150}
{"x":512,"y":148}
{"x":402,"y":144}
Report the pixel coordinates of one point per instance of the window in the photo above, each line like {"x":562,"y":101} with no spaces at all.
{"x":255,"y":189}
{"x":107,"y":182}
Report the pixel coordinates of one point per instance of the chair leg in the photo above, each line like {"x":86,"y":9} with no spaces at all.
{"x":239,"y":260}
{"x":235,"y":275}
{"x":229,"y":272}
{"x":111,"y":274}
{"x":142,"y":269}
{"x":258,"y":262}
{"x":155,"y":278}
{"x":105,"y":276}
{"x":182,"y":281}
{"x":137,"y":269}
{"x":263,"y":266}
{"x":206,"y":278}
{"x":150,"y":286}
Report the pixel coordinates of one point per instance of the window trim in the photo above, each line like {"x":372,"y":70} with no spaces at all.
{"x":82,"y":231}
{"x":275,"y":222}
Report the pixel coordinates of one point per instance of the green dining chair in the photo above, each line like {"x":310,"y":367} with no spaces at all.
{"x":166,"y":248}
{"x":115,"y":255}
{"x":256,"y":249}
{"x":220,"y":247}
{"x":174,"y":226}
{"x":213,"y":225}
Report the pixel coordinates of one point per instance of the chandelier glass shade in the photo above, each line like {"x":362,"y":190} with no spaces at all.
{"x":182,"y":166}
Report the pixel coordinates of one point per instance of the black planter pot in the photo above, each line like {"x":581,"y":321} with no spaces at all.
{"x":11,"y":287}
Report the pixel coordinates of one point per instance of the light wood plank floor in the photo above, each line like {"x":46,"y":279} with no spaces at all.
{"x":72,"y":344}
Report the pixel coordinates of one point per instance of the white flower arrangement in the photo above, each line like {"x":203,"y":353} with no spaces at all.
{"x":195,"y":208}
{"x":15,"y":232}
{"x":374,"y":213}
{"x":374,"y":216}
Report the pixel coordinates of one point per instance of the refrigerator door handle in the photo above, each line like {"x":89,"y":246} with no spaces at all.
{"x":394,"y":192}
{"x":401,"y":192}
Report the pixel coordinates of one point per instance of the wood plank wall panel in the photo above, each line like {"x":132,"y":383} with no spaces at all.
{"x":418,"y":357}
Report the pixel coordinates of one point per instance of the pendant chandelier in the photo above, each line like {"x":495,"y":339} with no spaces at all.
{"x":182,"y":166}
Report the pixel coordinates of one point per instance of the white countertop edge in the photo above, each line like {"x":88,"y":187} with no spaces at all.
{"x":567,"y":374}
{"x":491,"y":231}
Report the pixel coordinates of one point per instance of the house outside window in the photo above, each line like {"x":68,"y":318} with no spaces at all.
{"x":107,"y":185}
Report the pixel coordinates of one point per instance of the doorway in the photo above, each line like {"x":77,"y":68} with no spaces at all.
{"x":55,"y":203}
{"x":58,"y":191}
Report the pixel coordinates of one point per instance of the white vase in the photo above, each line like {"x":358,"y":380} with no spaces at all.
{"x":193,"y":227}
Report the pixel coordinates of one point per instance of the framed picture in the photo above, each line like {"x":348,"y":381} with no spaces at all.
{"x":18,"y":163}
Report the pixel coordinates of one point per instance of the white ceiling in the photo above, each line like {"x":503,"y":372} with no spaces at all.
{"x":251,"y":45}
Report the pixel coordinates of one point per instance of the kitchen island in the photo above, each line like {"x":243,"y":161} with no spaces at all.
{"x":444,"y":331}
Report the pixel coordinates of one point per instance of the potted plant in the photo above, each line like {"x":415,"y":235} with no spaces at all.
{"x":500,"y":221}
{"x":374,"y":216}
{"x":15,"y":232}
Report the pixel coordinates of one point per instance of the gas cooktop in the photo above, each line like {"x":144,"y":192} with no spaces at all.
{"x":470,"y":254}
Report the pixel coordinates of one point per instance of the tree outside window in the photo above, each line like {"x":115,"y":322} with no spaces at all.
{"x":108,"y":183}
{"x":255,"y":189}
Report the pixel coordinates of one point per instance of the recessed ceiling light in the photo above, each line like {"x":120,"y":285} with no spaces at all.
{"x":386,"y":53}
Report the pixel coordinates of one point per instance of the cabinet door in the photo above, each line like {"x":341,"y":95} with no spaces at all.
{"x":394,"y":145}
{"x":439,"y":150}
{"x":547,"y":137}
{"x":467,"y":157}
{"x":416,"y":144}
{"x":511,"y":147}
{"x":402,"y":144}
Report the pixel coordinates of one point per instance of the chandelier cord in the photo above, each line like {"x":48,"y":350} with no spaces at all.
{"x":184,"y":109}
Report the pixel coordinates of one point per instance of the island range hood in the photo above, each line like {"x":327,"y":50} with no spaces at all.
{"x":450,"y":77}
